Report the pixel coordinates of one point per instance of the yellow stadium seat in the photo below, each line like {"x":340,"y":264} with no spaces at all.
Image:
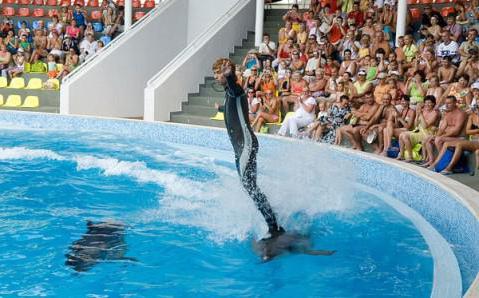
{"x":219,"y":116}
{"x":34,"y":83}
{"x":13,"y":101}
{"x":26,"y":68}
{"x":3,"y":82}
{"x":59,"y":67}
{"x":17,"y":83}
{"x":31,"y":101}
{"x":51,"y":84}
{"x":1,"y":100}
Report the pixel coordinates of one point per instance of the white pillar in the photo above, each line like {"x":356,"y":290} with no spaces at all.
{"x":128,"y":14}
{"x":401,"y":19}
{"x":258,"y":38}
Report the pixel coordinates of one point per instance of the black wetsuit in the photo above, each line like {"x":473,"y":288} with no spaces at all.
{"x":245,"y":146}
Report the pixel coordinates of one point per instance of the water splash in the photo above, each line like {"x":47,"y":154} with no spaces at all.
{"x":28,"y":154}
{"x":308,"y":183}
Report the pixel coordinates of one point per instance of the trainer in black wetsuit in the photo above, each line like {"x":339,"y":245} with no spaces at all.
{"x":245,"y":146}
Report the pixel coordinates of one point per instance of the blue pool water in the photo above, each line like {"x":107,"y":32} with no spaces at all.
{"x":189,"y":224}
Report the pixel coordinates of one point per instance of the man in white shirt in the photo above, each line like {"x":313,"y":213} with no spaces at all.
{"x":88,"y":47}
{"x":311,"y":66}
{"x":303,"y":116}
{"x":267,"y":49}
{"x":448,"y":47}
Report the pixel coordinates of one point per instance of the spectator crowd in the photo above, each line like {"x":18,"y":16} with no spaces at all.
{"x":57,"y":46}
{"x":337,"y":75}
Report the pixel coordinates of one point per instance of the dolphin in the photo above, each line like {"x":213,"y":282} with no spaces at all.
{"x":103,"y":241}
{"x":287,"y":242}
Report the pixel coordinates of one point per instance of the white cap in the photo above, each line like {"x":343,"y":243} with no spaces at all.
{"x":475,"y":85}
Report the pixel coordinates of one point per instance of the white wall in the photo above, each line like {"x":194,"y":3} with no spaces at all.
{"x":170,"y":87}
{"x":210,"y":10}
{"x":112,"y":83}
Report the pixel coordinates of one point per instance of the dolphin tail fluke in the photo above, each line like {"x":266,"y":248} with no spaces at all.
{"x":319,"y":252}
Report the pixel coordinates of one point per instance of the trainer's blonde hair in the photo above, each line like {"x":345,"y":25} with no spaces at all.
{"x":219,"y":62}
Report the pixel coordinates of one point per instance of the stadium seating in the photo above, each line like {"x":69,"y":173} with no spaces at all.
{"x":52,"y":12}
{"x":8,"y":11}
{"x":445,"y":11}
{"x":3,"y":82}
{"x":31,"y":101}
{"x":23,"y":12}
{"x":416,"y":13}
{"x":38,"y":12}
{"x":17,"y":83}
{"x":34,"y":83}
{"x":149,"y":4}
{"x":1,"y":100}
{"x":93,"y":3}
{"x":138,"y":15}
{"x":13,"y":101}
{"x":95,"y":15}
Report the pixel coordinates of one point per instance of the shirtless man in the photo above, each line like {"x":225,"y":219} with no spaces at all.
{"x":348,"y":65}
{"x":385,"y":113}
{"x":318,"y":83}
{"x":380,"y":43}
{"x":451,"y":128}
{"x":471,"y":66}
{"x":360,"y":118}
{"x":40,"y":44}
{"x":446,"y":72}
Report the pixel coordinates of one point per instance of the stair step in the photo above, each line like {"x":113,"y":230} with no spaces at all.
{"x":209,"y":91}
{"x":205,"y":100}
{"x":273,"y":19}
{"x":195,"y":120}
{"x":237,"y":59}
{"x":273,"y":23}
{"x":199,"y":110}
{"x":275,"y":12}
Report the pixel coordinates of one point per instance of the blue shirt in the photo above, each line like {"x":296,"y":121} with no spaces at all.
{"x":79,"y":18}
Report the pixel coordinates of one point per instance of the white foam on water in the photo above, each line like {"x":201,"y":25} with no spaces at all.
{"x":304,"y":181}
{"x":14,"y":153}
{"x":293,"y":184}
{"x":140,"y":172}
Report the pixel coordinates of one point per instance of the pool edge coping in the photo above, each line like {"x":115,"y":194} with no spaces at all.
{"x":463,"y":194}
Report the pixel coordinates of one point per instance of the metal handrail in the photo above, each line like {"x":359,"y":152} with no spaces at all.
{"x":288,"y":3}
{"x":108,"y":48}
{"x":199,"y":39}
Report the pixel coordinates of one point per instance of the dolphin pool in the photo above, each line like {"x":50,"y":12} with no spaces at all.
{"x":187,"y":227}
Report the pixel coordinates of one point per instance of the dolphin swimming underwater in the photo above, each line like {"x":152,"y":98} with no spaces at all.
{"x":103,"y":241}
{"x":269,"y":248}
